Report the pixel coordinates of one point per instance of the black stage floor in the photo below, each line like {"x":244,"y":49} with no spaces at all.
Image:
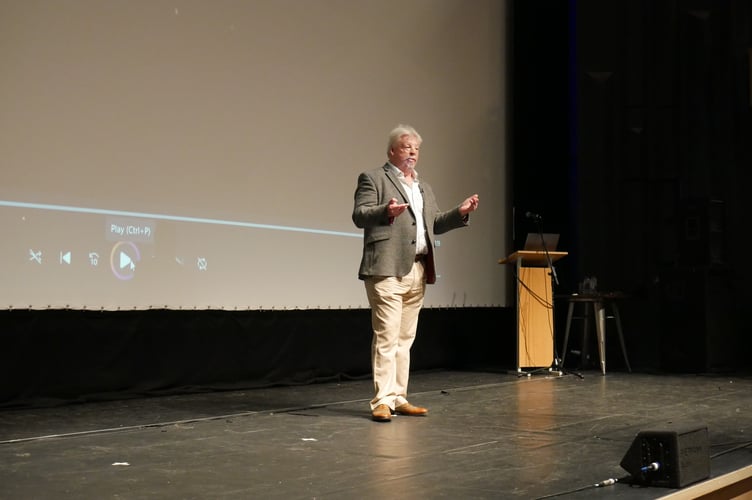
{"x":488,"y":435}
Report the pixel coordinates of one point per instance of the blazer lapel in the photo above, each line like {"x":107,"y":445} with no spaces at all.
{"x":397,"y":184}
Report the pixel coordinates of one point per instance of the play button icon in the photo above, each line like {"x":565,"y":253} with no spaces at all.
{"x":126,"y":262}
{"x":123,"y":259}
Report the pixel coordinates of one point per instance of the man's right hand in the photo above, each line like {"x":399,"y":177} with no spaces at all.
{"x":395,"y":208}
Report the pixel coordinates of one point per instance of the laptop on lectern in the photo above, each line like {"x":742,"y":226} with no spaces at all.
{"x":541,"y":241}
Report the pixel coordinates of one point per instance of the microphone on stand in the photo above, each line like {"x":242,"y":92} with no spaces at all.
{"x":533,"y":216}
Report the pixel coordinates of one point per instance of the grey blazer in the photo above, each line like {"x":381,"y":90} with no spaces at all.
{"x":389,"y":245}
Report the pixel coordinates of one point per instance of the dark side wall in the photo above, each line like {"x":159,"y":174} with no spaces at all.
{"x":645,"y":169}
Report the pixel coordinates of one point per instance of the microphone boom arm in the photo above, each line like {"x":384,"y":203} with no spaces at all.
{"x":538,"y":219}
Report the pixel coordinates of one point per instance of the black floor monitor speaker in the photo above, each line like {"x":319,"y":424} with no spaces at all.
{"x":669,"y":457}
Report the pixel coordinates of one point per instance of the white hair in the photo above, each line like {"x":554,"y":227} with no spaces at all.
{"x":400,"y":131}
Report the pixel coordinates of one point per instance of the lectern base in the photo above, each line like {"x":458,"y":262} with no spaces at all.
{"x":556,"y":369}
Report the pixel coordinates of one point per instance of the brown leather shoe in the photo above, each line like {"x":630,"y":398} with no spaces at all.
{"x":408,"y":409}
{"x":381,"y":413}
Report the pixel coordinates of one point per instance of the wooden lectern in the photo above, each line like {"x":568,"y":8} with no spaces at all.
{"x":535,"y":307}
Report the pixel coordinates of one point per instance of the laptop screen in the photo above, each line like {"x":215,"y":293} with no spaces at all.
{"x":541,"y":241}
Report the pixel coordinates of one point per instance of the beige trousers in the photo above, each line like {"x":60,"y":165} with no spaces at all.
{"x":395,"y":306}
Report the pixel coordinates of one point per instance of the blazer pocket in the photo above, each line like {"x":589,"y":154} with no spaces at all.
{"x":379,"y":234}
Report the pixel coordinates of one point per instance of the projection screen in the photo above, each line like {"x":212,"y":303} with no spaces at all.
{"x":204,"y":154}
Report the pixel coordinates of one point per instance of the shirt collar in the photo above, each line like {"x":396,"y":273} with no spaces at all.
{"x":396,"y":171}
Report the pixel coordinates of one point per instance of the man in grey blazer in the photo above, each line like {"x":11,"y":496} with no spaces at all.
{"x":400,"y":217}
